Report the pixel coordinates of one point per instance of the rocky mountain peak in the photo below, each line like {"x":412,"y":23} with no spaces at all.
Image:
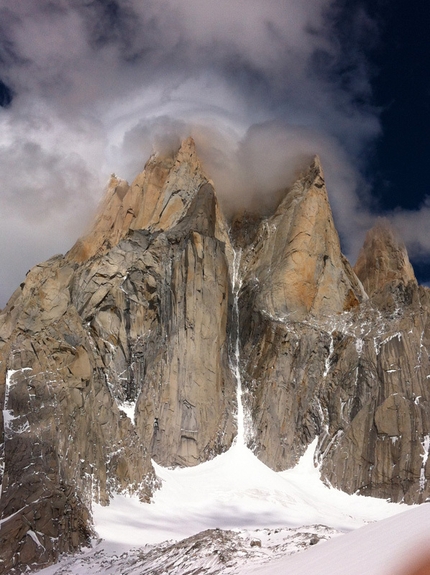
{"x":383,"y":259}
{"x":135,"y":345}
{"x":187,"y":153}
{"x":313,"y":175}
{"x":157,"y":199}
{"x":296,"y":256}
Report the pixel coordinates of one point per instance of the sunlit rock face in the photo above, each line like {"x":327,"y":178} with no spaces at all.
{"x":122,"y":351}
{"x":113,"y":354}
{"x":383,"y":260}
{"x":294,"y":278}
{"x":294,"y":266}
{"x":357,"y":378}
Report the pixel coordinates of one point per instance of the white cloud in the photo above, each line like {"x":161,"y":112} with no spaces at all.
{"x":413,"y":226}
{"x":98,"y":84}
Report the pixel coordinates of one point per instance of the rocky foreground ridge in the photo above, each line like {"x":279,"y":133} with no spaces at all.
{"x":124,"y":350}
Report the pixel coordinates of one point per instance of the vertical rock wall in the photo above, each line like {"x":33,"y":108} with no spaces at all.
{"x":64,"y":440}
{"x":119,"y":352}
{"x":295,"y":279}
{"x":112,"y":355}
{"x":321,"y":359}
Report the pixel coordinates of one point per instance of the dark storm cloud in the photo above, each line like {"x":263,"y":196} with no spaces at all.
{"x":98,"y":85}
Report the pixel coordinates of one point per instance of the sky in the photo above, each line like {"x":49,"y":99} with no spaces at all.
{"x":93,"y":87}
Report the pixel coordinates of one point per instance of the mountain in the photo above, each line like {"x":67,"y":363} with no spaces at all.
{"x":166,"y":321}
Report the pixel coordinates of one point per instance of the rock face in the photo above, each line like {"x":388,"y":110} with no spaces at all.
{"x":384,"y":376}
{"x":295,"y":278}
{"x":383,"y":259}
{"x":112,"y":355}
{"x":355,"y":377}
{"x":294,"y":266}
{"x":156,"y":200}
{"x":125,"y":350}
{"x":64,"y":439}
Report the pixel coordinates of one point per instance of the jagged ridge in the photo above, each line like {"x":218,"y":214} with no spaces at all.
{"x":119,"y":352}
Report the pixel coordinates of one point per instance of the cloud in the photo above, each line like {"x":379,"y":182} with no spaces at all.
{"x":413,"y":226}
{"x":97,"y":84}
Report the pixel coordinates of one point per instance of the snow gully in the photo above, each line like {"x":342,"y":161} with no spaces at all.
{"x":235,"y":356}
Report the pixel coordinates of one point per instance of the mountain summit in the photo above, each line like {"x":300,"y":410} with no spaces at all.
{"x":383,"y":259}
{"x":136,"y":345}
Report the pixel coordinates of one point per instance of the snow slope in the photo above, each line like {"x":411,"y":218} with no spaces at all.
{"x":269,"y":515}
{"x":235,"y":491}
{"x":387,"y":547}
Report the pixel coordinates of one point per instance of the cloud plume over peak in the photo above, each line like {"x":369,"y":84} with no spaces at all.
{"x":99,"y":84}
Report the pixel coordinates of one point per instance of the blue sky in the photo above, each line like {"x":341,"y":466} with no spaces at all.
{"x":92,"y":87}
{"x":401,"y":87}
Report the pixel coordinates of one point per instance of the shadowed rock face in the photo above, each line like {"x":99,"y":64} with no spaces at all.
{"x":65,"y":442}
{"x":378,"y":401}
{"x":122,"y":351}
{"x":382,"y":380}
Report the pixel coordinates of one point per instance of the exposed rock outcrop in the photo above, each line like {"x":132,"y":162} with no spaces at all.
{"x":294,"y":279}
{"x":357,"y":379}
{"x":383,"y":259}
{"x":112,"y":355}
{"x":378,"y":397}
{"x":295,"y":264}
{"x":122,"y":350}
{"x":65,"y":442}
{"x":378,"y":403}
